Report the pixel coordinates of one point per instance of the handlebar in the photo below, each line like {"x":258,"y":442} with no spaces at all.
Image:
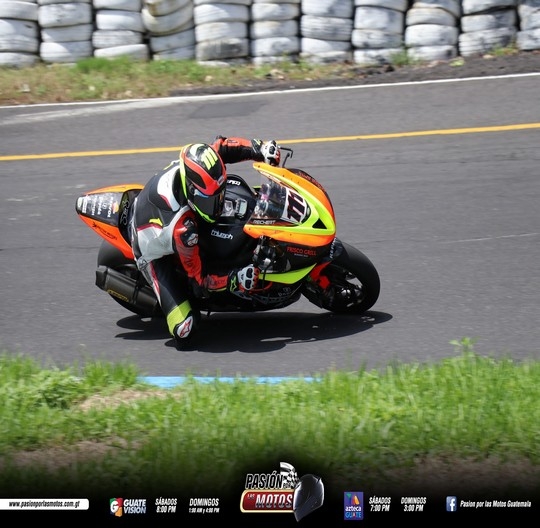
{"x":288,"y":154}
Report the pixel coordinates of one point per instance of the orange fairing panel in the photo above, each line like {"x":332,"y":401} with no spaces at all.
{"x":105,"y":212}
{"x":117,"y":188}
{"x":110,"y":233}
{"x":292,"y":238}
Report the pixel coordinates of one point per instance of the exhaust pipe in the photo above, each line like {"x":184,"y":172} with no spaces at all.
{"x":127,"y":289}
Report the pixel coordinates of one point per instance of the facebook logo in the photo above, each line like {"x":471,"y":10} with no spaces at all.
{"x":451,"y":504}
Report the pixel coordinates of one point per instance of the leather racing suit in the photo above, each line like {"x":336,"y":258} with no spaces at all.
{"x":164,"y":229}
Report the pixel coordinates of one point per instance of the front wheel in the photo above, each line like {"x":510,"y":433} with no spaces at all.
{"x":349,"y":284}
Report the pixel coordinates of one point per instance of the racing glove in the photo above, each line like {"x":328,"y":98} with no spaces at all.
{"x":243,"y":280}
{"x":271,"y":152}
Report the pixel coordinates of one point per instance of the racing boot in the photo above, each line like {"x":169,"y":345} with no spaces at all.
{"x":184,"y":331}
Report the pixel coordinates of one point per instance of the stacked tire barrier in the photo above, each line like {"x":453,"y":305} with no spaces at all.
{"x":274,"y":30}
{"x":379,"y":27}
{"x":326,"y":30}
{"x":432,"y":30}
{"x":119,"y":29}
{"x":366,"y":32}
{"x":66,"y":30}
{"x":170,"y":27}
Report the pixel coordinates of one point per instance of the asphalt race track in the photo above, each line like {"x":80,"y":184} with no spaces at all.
{"x":438,"y":183}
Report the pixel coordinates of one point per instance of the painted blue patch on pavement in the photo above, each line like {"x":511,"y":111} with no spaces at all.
{"x":167,"y":382}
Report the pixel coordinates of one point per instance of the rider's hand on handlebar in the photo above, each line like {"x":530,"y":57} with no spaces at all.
{"x":271,"y":152}
{"x":244,"y":280}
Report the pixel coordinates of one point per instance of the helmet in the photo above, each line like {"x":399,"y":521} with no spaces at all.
{"x":308,"y":495}
{"x":203,"y":178}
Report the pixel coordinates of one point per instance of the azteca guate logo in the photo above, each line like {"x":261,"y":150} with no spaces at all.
{"x":282,"y":492}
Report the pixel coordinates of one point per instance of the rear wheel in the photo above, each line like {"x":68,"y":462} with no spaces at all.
{"x":350,"y":284}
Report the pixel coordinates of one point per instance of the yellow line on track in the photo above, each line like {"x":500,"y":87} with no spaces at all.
{"x":392,"y":135}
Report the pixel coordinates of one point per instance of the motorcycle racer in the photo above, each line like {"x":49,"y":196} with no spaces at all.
{"x":165,"y":219}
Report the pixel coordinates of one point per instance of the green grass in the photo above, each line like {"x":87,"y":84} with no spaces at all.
{"x":99,"y":424}
{"x":99,"y":78}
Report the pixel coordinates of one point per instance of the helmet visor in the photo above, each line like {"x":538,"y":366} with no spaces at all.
{"x":210,"y":207}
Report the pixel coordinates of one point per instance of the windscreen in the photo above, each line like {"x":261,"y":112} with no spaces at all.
{"x":278,"y":204}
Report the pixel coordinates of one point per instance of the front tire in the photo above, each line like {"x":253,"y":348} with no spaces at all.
{"x":354,"y":284}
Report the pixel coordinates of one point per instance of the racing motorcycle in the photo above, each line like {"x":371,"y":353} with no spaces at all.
{"x":285,"y":226}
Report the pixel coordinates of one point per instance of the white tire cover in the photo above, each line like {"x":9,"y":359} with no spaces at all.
{"x":207,"y":13}
{"x":65,"y":52}
{"x":164,"y":7}
{"x":168,"y":24}
{"x":25,"y":28}
{"x":275,"y":46}
{"x":222,"y":49}
{"x":312,"y":46}
{"x":452,"y":6}
{"x":113,"y":20}
{"x":531,"y":21}
{"x":375,"y":57}
{"x":271,"y":11}
{"x":498,"y":19}
{"x":379,"y":18}
{"x":239,"y":2}
{"x":267,"y":1}
{"x":262,"y":60}
{"x":432,"y":53}
{"x":67,"y":33}
{"x":18,"y":43}
{"x":479,"y":6}
{"x":49,"y":2}
{"x":274,"y":28}
{"x":60,"y":15}
{"x":225,"y":63}
{"x":330,"y":28}
{"x":111,"y":38}
{"x":181,"y":39}
{"x":398,"y":5}
{"x":18,"y":10}
{"x":485,"y":41}
{"x":331,"y":8}
{"x":528,"y":40}
{"x":218,"y":30}
{"x":328,"y":57}
{"x":526,"y":8}
{"x":375,"y":39}
{"x":135,"y":51}
{"x":183,"y":53}
{"x":429,"y":15}
{"x":118,"y":5}
{"x":18,"y":60}
{"x":431,"y":35}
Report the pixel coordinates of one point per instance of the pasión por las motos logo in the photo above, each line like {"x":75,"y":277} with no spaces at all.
{"x":282,"y":492}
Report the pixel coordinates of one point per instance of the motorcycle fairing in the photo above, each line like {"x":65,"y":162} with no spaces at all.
{"x":290,"y":277}
{"x":303,"y":214}
{"x":106,"y":212}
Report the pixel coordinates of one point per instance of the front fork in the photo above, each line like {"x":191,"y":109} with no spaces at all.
{"x":316,"y":276}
